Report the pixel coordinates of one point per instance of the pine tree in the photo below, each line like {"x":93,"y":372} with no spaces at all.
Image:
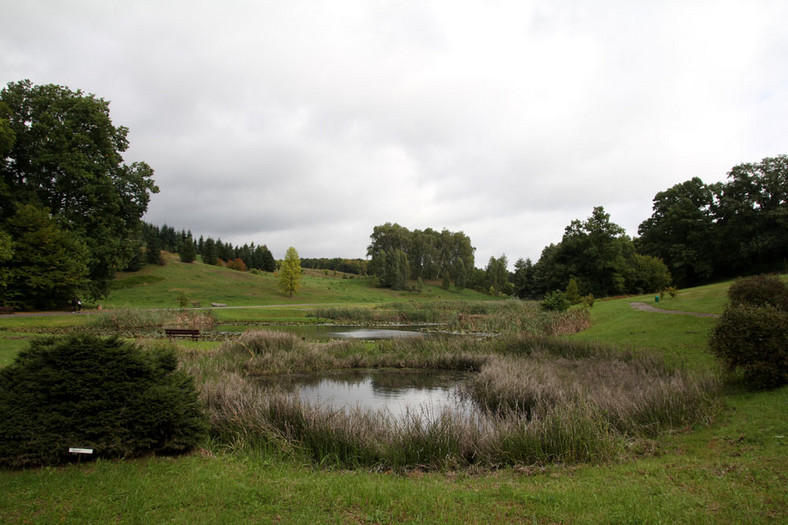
{"x":188,"y":252}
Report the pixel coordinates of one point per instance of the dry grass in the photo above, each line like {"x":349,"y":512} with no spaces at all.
{"x":132,"y":320}
{"x":469,"y":316}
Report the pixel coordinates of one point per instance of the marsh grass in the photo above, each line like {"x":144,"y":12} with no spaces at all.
{"x":631,"y":395}
{"x":467,"y":316}
{"x":131,"y":320}
{"x":245,"y":416}
{"x":542,"y":400}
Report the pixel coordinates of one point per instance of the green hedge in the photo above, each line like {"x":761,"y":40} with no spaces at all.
{"x":92,"y":392}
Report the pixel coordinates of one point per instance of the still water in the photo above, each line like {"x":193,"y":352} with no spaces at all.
{"x":336,"y":331}
{"x":400,"y":394}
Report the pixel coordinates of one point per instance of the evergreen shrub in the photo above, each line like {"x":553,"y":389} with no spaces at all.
{"x":88,"y":391}
{"x":555,"y":301}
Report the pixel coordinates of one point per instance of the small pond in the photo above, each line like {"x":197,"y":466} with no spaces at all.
{"x":334,"y":331}
{"x":398,"y":393}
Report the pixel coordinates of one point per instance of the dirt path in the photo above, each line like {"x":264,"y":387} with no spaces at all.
{"x":644,"y":307}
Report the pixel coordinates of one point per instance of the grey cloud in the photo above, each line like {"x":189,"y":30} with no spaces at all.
{"x":304,"y":124}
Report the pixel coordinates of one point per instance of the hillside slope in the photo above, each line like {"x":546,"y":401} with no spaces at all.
{"x":161,"y":287}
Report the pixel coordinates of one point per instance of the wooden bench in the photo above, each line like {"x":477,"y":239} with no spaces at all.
{"x":182,"y":332}
{"x":6,"y":309}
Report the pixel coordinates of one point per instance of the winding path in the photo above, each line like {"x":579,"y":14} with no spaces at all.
{"x":645,"y":307}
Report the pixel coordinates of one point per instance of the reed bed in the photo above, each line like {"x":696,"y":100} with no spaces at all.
{"x":541,"y":400}
{"x":631,"y":396}
{"x":245,"y":416}
{"x":131,"y":320}
{"x":470,"y":316}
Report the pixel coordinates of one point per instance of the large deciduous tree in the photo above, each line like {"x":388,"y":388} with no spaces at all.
{"x":752,"y":217}
{"x":61,"y":153}
{"x":681,"y":231}
{"x":601,"y":258}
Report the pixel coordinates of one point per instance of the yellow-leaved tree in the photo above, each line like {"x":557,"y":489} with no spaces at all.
{"x":290,"y":273}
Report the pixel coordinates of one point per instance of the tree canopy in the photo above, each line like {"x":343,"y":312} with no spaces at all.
{"x":397,"y":254}
{"x":599,"y":256}
{"x":62,"y":155}
{"x":714,"y":231}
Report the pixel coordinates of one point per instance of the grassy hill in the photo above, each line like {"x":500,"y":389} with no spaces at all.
{"x":161,"y":286}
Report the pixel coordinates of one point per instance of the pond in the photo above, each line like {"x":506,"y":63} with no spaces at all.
{"x":335,"y":331}
{"x":399,"y":394}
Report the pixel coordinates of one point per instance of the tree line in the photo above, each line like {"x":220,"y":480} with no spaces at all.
{"x":708,"y":232}
{"x":336,"y":264}
{"x":398,"y":255}
{"x":154,"y":239}
{"x":597,"y":257}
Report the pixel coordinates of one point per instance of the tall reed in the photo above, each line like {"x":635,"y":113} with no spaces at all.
{"x":243,"y":415}
{"x":126,"y":320}
{"x":468,"y":316}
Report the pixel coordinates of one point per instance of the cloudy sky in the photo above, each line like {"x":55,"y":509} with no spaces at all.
{"x":306,"y":123}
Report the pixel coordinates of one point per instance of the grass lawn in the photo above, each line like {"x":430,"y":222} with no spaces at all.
{"x":161,"y":286}
{"x":733,"y":470}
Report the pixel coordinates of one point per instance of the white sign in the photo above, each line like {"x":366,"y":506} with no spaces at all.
{"x":81,"y":450}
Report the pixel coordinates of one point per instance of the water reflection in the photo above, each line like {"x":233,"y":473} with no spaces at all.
{"x":334,"y":331}
{"x":396,"y":393}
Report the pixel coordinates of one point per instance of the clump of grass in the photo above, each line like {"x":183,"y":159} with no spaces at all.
{"x":636,"y":396}
{"x":345,"y":314}
{"x":571,"y":434}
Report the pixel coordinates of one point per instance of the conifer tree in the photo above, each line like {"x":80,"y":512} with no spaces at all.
{"x":188,"y":252}
{"x":290,"y":273}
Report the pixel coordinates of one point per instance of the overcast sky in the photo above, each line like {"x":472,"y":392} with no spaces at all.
{"x":307,"y":123}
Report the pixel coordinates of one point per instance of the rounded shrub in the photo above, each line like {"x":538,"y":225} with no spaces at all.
{"x":92,"y":392}
{"x":755,"y":341}
{"x":556,"y":301}
{"x":759,"y":290}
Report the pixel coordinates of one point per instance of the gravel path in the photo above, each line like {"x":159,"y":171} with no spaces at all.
{"x":644,"y":307}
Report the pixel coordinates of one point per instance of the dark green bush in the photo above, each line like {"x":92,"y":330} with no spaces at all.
{"x":759,"y":290}
{"x":556,"y":301}
{"x":92,"y":392}
{"x":753,"y":340}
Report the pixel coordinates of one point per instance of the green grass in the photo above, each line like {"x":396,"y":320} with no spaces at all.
{"x":160,"y":287}
{"x":734,"y":470}
{"x":679,"y":338}
{"x":711,"y":298}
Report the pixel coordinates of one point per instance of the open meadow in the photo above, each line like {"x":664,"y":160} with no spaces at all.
{"x":626,"y":421}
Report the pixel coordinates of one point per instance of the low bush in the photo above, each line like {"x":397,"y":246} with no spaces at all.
{"x":556,"y":301}
{"x":91,"y":392}
{"x":759,"y":290}
{"x":753,"y":340}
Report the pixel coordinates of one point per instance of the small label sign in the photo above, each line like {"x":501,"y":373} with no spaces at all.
{"x":75,"y":450}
